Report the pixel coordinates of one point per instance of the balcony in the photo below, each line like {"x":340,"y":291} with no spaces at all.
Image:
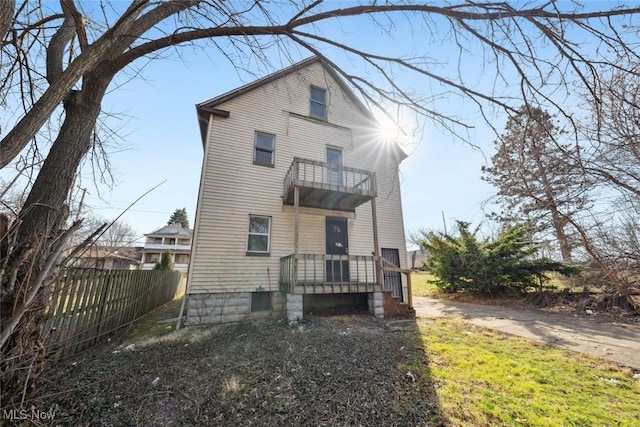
{"x":328,"y":186}
{"x":328,"y":274}
{"x":164,"y":247}
{"x":176,"y":267}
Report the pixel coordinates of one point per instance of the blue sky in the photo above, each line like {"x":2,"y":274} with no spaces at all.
{"x":162,"y":143}
{"x":159,"y":139}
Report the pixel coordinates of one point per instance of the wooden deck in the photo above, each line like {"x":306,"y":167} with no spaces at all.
{"x":327,"y":186}
{"x":328,"y":274}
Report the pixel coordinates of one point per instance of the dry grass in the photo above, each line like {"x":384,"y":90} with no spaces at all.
{"x":345,"y":370}
{"x":341,"y":371}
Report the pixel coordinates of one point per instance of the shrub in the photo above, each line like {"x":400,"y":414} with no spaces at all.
{"x":165,"y":262}
{"x":507,"y":263}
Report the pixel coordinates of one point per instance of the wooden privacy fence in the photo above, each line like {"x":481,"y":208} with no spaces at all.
{"x":88,"y":306}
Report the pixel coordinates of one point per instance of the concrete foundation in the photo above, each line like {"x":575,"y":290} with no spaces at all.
{"x":376,"y":304}
{"x":295,"y":308}
{"x":228,"y":307}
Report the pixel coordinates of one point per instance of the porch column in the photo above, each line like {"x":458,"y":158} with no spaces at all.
{"x":296,"y":226}
{"x":376,"y":249}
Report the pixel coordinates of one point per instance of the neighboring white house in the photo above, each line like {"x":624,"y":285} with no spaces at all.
{"x":173,"y":238}
{"x":299,"y":196}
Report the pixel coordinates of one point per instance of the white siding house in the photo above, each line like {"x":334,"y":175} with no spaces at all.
{"x":296,"y":190}
{"x":172,"y":238}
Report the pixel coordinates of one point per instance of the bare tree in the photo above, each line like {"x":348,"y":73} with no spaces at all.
{"x":535,"y":177}
{"x":63,"y":61}
{"x":114,"y":234}
{"x":612,"y":135}
{"x":119,"y":234}
{"x":609,"y":154}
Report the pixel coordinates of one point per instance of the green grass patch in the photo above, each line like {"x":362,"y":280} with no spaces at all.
{"x":157,"y":322}
{"x":484,"y":377}
{"x":420,"y":285}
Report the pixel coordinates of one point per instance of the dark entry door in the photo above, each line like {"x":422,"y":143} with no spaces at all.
{"x":392,"y":279}
{"x":337,"y":244}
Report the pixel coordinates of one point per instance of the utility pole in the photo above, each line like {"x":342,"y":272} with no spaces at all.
{"x":444,"y":223}
{"x":84,"y":191}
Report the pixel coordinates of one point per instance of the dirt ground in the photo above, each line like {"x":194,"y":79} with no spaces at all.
{"x":344,"y":370}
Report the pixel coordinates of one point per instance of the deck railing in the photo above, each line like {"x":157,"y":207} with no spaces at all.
{"x":324,"y":273}
{"x":314,"y":174}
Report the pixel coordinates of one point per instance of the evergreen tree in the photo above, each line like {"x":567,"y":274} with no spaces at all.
{"x":506,"y":263}
{"x":166,"y":262}
{"x":179,"y":216}
{"x":537,"y":179}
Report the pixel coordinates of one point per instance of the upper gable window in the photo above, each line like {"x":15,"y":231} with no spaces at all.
{"x":263,"y":153}
{"x":318,"y":104}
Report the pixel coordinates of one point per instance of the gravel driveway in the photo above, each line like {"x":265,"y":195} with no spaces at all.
{"x":617,"y":342}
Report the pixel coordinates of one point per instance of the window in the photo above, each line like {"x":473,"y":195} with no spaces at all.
{"x":261,"y":301}
{"x":264,"y":148}
{"x":318,"y":106}
{"x":151,"y":258}
{"x":259,"y":233}
{"x":334,"y":173}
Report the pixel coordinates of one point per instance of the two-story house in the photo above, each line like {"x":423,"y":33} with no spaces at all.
{"x":173,"y":238}
{"x":299,"y":199}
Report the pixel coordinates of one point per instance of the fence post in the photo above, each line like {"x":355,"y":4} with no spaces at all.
{"x":103,"y":304}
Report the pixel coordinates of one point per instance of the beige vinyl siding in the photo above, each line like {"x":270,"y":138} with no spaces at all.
{"x":233,"y":187}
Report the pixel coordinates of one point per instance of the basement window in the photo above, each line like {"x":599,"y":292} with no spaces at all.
{"x":261,"y":301}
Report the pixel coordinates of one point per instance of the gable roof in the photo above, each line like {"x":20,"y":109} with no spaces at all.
{"x":210,"y":106}
{"x":172,"y":230}
{"x":204,"y":109}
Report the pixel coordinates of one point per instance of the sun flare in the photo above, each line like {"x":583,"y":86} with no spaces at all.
{"x":388,"y":130}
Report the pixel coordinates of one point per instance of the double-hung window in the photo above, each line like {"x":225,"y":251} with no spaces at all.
{"x":259,"y":234}
{"x":264,"y":149}
{"x":318,"y":104}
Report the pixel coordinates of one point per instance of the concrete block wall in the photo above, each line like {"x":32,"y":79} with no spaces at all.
{"x":279,"y":302}
{"x":376,"y":304}
{"x":295,"y":308}
{"x":228,"y":307}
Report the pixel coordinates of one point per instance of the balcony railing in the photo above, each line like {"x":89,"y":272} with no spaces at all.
{"x":318,"y":274}
{"x":325,"y":185}
{"x":173,"y":247}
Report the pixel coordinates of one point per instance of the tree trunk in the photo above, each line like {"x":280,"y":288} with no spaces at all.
{"x":561,"y":236}
{"x":50,"y":190}
{"x":6,"y":17}
{"x":37,"y":243}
